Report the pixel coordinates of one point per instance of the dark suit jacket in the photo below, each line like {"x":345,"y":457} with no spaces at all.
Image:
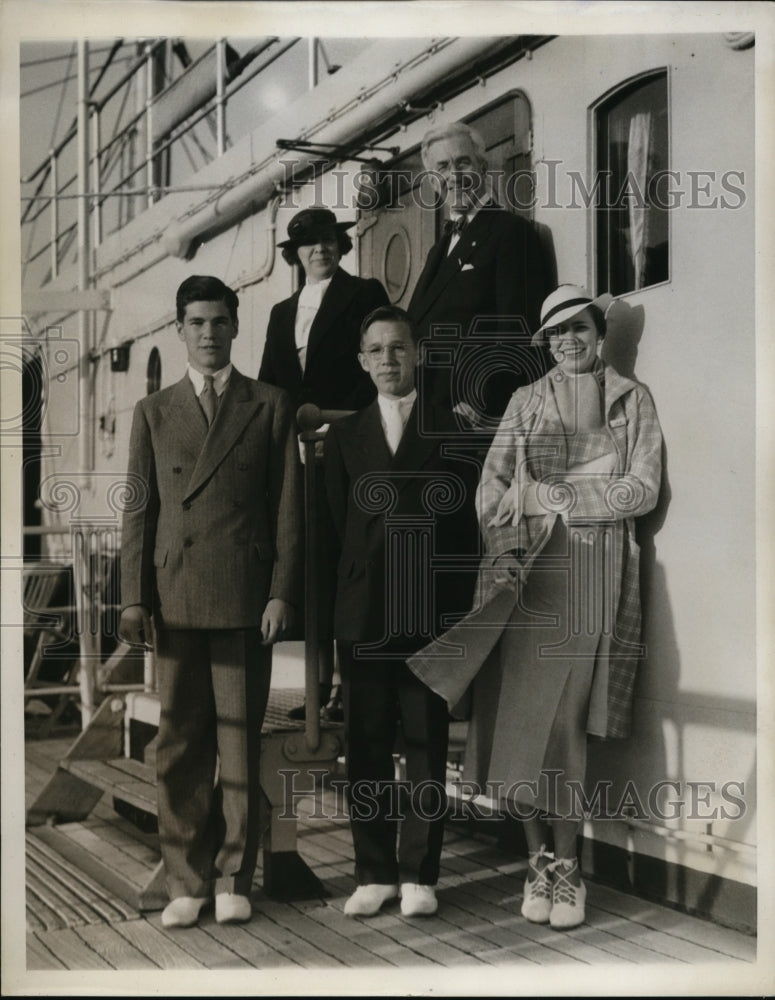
{"x":333,"y":378}
{"x":216,"y":529}
{"x":489,"y":289}
{"x":422,"y":488}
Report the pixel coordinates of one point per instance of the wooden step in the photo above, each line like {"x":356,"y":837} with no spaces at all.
{"x":126,"y":779}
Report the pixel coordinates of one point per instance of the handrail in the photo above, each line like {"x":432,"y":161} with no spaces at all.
{"x":310,"y":419}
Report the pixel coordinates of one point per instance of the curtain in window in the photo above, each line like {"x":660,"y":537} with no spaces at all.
{"x":637,"y":170}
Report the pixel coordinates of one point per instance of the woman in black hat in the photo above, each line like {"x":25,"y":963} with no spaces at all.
{"x":311,"y":351}
{"x":311,"y":347}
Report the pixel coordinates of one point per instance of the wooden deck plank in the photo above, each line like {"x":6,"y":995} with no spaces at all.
{"x":75,"y":882}
{"x":90,"y":839}
{"x":506,"y":931}
{"x":112,"y":777}
{"x":415,"y":935}
{"x":723,"y":940}
{"x":488,"y":936}
{"x":337,"y":946}
{"x":68,"y":910}
{"x":538,"y":941}
{"x":362,"y":933}
{"x":199,"y":949}
{"x":71,"y":950}
{"x":143,"y":850}
{"x":114,"y":947}
{"x":161,"y":950}
{"x":663,"y":944}
{"x":39,"y":957}
{"x":265,"y":946}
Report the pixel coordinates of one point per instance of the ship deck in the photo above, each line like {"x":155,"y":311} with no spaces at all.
{"x":477,"y":937}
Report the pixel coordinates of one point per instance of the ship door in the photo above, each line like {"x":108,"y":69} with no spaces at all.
{"x":396,"y":235}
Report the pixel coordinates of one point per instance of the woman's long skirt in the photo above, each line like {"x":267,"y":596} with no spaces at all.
{"x":536,"y":696}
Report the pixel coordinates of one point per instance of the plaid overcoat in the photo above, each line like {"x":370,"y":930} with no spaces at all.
{"x":532,"y":442}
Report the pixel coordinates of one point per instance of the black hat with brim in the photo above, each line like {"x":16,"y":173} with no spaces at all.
{"x":310,"y":225}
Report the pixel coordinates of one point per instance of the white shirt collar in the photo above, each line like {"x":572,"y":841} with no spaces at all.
{"x":404,"y":404}
{"x":312,"y":293}
{"x":220,"y":379}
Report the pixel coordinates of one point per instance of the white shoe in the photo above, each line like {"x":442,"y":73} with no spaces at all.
{"x":537,"y":901}
{"x":367,"y":900}
{"x":182,"y":912}
{"x":232,"y":909}
{"x":418,"y":900}
{"x":567,"y":899}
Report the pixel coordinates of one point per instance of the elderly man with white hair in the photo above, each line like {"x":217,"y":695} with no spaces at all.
{"x":480,"y":290}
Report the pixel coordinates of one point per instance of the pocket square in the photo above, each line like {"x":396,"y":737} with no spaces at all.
{"x":467,"y":267}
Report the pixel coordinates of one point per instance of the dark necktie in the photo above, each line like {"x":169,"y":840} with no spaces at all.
{"x":208,"y":399}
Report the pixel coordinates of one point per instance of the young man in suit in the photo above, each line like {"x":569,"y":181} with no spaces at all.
{"x":480,"y":291}
{"x":403,"y":507}
{"x":211,"y":569}
{"x":311,"y":352}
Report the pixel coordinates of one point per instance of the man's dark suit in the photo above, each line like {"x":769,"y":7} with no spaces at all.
{"x":332,"y":377}
{"x":214,"y":534}
{"x":492,"y":284}
{"x":427,"y":500}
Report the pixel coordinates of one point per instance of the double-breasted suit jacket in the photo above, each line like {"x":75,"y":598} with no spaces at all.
{"x":218,"y":530}
{"x":488,"y":289}
{"x":332,"y":377}
{"x":213,"y":535}
{"x":418,"y":486}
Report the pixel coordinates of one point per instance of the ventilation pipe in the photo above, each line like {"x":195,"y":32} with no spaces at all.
{"x":341,"y":125}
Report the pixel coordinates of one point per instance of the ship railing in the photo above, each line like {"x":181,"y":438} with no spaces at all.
{"x":71,"y":609}
{"x":132,"y":164}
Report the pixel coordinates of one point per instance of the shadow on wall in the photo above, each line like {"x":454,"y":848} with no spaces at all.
{"x":645,"y":758}
{"x":624,"y":331}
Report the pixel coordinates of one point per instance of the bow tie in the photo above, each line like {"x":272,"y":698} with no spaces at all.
{"x":456,"y":225}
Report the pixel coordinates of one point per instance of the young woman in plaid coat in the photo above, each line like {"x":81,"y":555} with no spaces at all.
{"x":554,"y":638}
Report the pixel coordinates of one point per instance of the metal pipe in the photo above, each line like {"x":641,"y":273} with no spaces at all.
{"x":312,"y":63}
{"x":220,"y":107}
{"x":97,"y":206}
{"x":149,"y":123}
{"x":54,"y":217}
{"x":84,"y":320}
{"x":86,"y":676}
{"x":42,"y":692}
{"x":379,"y":97}
{"x":311,"y":648}
{"x":72,"y":131}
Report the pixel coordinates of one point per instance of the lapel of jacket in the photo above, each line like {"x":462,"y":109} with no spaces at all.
{"x":238,"y":404}
{"x":372,"y":446}
{"x":478,"y":230}
{"x":616,"y":386}
{"x":435,"y":256}
{"x":333,"y":303}
{"x":548,"y":447}
{"x":187,"y":422}
{"x":414,"y":449}
{"x":287,"y":342}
